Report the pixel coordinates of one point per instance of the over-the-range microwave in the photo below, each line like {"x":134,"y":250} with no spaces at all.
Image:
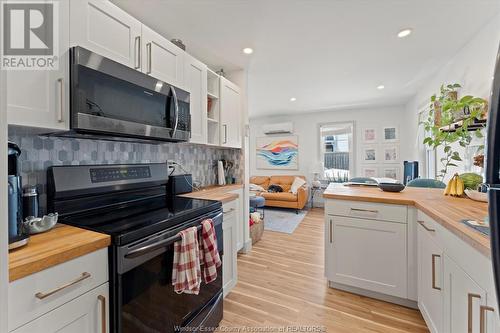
{"x":109,"y":100}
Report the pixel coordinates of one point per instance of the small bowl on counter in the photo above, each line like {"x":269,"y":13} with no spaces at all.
{"x":391,"y":187}
{"x":476,"y":195}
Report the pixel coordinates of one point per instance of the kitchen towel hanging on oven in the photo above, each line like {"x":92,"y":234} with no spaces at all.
{"x":210,"y":258}
{"x":190,"y":254}
{"x":186,"y":273}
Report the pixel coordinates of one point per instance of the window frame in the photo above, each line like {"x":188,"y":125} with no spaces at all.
{"x":352,"y":145}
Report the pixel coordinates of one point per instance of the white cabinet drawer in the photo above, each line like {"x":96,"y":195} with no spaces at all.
{"x":28,"y":296}
{"x":229,"y":208}
{"x":88,"y":313}
{"x":367,"y":210}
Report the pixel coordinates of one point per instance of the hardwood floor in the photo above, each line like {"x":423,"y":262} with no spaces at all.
{"x":281,"y":283}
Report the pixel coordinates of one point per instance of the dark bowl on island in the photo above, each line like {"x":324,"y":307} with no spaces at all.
{"x":391,"y":187}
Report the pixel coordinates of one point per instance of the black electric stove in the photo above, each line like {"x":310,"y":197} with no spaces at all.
{"x":131,"y":204}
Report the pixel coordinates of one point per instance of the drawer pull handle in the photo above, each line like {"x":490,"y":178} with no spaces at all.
{"x":229,"y":211}
{"x":482,"y":317}
{"x":422,"y":223}
{"x":104,"y":326}
{"x":331,"y":232}
{"x":434,"y":256}
{"x":469,"y":310}
{"x":84,"y":276}
{"x":364,"y":210}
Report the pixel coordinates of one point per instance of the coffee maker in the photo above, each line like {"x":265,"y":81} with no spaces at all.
{"x":18,"y":234}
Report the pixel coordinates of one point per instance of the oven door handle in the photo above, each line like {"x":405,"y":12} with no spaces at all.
{"x":158,"y":245}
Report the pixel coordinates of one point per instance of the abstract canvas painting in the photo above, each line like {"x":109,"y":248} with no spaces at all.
{"x":278,"y":153}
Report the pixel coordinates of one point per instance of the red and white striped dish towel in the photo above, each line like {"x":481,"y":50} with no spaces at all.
{"x":209,"y":253}
{"x":186,"y":274}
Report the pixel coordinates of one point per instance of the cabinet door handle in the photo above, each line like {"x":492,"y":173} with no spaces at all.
{"x":434,"y":256}
{"x":84,"y":276}
{"x":482,"y":317}
{"x":102,"y":299}
{"x":225,"y":133}
{"x":469,"y":310}
{"x":150,"y":58}
{"x":422,"y":223}
{"x":137,"y":46}
{"x":60,"y":116}
{"x":331,"y":232}
{"x":364,"y":210}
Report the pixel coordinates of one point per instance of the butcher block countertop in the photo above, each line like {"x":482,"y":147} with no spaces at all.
{"x":54,"y":247}
{"x":447,"y":211}
{"x":216,"y":192}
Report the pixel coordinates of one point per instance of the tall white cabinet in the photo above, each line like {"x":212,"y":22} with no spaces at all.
{"x":196,"y":83}
{"x":230,"y":114}
{"x":40,"y":98}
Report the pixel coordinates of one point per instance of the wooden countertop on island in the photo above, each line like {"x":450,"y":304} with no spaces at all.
{"x":216,"y":192}
{"x":447,"y":211}
{"x":54,"y":247}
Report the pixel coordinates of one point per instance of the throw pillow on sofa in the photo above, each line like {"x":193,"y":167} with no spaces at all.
{"x":274,"y":189}
{"x":297,"y":183}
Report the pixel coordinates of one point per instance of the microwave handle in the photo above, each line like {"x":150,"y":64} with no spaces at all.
{"x":176,"y":108}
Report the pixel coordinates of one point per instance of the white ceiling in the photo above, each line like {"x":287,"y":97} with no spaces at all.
{"x":329,"y":54}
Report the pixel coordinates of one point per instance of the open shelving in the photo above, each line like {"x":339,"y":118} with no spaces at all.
{"x":213,"y":108}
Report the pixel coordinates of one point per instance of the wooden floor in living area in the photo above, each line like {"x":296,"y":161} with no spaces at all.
{"x":281,"y":283}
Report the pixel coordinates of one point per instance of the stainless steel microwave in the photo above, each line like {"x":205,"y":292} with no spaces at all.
{"x":112,"y":101}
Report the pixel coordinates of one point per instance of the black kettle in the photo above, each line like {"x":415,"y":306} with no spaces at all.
{"x":18,"y":234}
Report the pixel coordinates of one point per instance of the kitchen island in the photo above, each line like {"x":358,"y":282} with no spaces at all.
{"x":411,"y":248}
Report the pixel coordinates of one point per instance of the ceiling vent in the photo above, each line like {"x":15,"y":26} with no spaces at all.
{"x":279,"y":128}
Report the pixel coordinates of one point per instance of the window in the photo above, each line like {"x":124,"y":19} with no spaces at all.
{"x":336,"y":151}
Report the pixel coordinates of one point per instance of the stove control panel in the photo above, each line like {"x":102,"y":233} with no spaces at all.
{"x":110,"y":174}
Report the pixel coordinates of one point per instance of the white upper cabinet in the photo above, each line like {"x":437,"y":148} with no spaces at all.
{"x":230,"y":114}
{"x":103,"y":28}
{"x":162,"y":59}
{"x":196,"y":83}
{"x":40,"y":98}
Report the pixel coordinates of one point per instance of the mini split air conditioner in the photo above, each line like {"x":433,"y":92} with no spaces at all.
{"x":279,"y":128}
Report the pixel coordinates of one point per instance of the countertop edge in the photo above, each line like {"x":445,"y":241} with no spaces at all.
{"x":27,"y":267}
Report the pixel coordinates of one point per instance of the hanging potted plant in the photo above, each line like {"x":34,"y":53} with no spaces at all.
{"x":449,"y":121}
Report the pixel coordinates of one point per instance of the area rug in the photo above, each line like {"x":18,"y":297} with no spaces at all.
{"x":282,"y":220}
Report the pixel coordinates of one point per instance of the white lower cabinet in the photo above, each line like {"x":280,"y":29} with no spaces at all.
{"x":69,"y":297}
{"x":367,"y":254}
{"x":240,"y":219}
{"x":430,"y":281}
{"x":229,"y":259}
{"x":87,"y":313}
{"x":463,"y":298}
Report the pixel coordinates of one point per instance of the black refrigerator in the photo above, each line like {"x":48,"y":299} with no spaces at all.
{"x":493,"y":174}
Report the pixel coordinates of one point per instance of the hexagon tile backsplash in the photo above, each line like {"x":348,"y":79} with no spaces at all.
{"x":40,"y":152}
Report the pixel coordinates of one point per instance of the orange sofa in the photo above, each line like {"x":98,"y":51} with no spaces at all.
{"x":285,"y":199}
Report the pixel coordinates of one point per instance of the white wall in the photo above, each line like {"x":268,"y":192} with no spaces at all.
{"x":306,"y":127}
{"x":472,"y":67}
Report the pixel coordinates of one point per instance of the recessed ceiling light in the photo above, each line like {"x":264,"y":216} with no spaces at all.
{"x":293,"y":99}
{"x":405,"y":33}
{"x":380,"y":87}
{"x":248,"y":50}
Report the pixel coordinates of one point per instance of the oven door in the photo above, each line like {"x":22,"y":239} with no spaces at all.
{"x":145,"y":298}
{"x":110,"y":98}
